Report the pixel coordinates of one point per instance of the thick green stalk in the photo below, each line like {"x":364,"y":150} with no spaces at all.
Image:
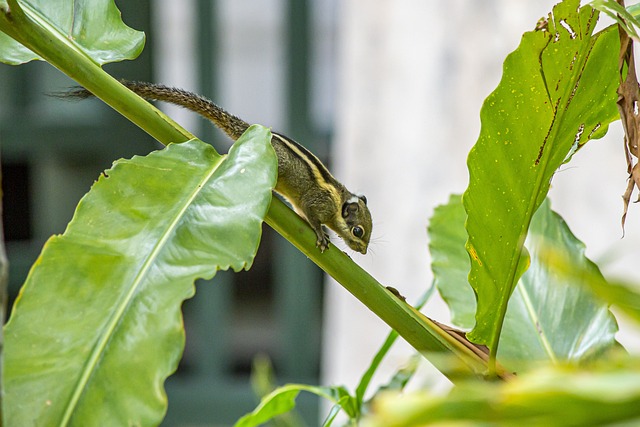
{"x":451,"y":357}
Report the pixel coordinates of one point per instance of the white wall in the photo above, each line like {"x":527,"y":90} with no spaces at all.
{"x":250,"y":65}
{"x":174,"y":41}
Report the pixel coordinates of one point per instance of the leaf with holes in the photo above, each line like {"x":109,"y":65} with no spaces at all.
{"x":97,"y":327}
{"x":94,"y":27}
{"x":558,"y":91}
{"x":551,"y":316}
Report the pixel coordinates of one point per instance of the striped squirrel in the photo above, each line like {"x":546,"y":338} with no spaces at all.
{"x":302,"y":178}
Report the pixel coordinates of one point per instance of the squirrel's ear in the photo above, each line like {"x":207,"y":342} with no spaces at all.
{"x":349,"y":208}
{"x":363,"y":198}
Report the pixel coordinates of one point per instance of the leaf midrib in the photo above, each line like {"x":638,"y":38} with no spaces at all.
{"x":531,"y":208}
{"x":535,"y":321}
{"x":121,"y":307}
{"x":35,"y":15}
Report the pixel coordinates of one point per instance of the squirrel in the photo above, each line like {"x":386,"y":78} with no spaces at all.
{"x":302,"y":178}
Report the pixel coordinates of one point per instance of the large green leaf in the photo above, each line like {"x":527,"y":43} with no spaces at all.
{"x":558,"y":90}
{"x":97,"y":326}
{"x":551,"y":317}
{"x":92,"y":26}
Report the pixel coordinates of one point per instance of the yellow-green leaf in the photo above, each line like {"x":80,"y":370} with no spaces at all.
{"x":558,"y":91}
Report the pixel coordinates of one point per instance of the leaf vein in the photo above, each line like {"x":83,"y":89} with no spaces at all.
{"x":125,"y":302}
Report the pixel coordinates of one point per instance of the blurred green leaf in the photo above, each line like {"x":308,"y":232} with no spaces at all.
{"x":625,"y":296}
{"x":97,"y":326}
{"x":92,"y":26}
{"x":624,"y":17}
{"x":550,"y":316}
{"x":282,"y":400}
{"x":263,"y":382}
{"x":402,"y":376}
{"x":558,"y":91}
{"x":450,"y":261}
{"x":557,"y":396}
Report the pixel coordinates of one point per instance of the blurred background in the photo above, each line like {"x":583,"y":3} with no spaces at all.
{"x":387,"y":93}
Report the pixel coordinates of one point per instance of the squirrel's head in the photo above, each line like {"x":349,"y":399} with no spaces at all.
{"x":354,"y":225}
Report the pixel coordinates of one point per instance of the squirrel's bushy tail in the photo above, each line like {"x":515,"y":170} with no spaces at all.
{"x":230,"y":124}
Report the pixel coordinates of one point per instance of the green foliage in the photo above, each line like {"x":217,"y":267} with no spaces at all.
{"x":558,"y":91}
{"x":91,"y":26}
{"x":604,"y":395}
{"x":282,"y":399}
{"x":98,"y":327}
{"x":450,"y":261}
{"x":623,"y":295}
{"x":74,"y":394}
{"x":413,"y":327}
{"x":551,"y":317}
{"x":626,"y":17}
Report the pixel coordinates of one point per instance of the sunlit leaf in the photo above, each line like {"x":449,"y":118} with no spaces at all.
{"x":558,"y":91}
{"x":97,"y":327}
{"x":92,"y":26}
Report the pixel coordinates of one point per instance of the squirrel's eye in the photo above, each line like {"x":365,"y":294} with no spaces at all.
{"x":357,"y":231}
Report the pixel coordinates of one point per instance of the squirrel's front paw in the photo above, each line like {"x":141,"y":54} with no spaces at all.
{"x":323,"y":241}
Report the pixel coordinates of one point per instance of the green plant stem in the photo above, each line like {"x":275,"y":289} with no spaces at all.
{"x":447,"y":354}
{"x":384,"y":350}
{"x":418,"y":330}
